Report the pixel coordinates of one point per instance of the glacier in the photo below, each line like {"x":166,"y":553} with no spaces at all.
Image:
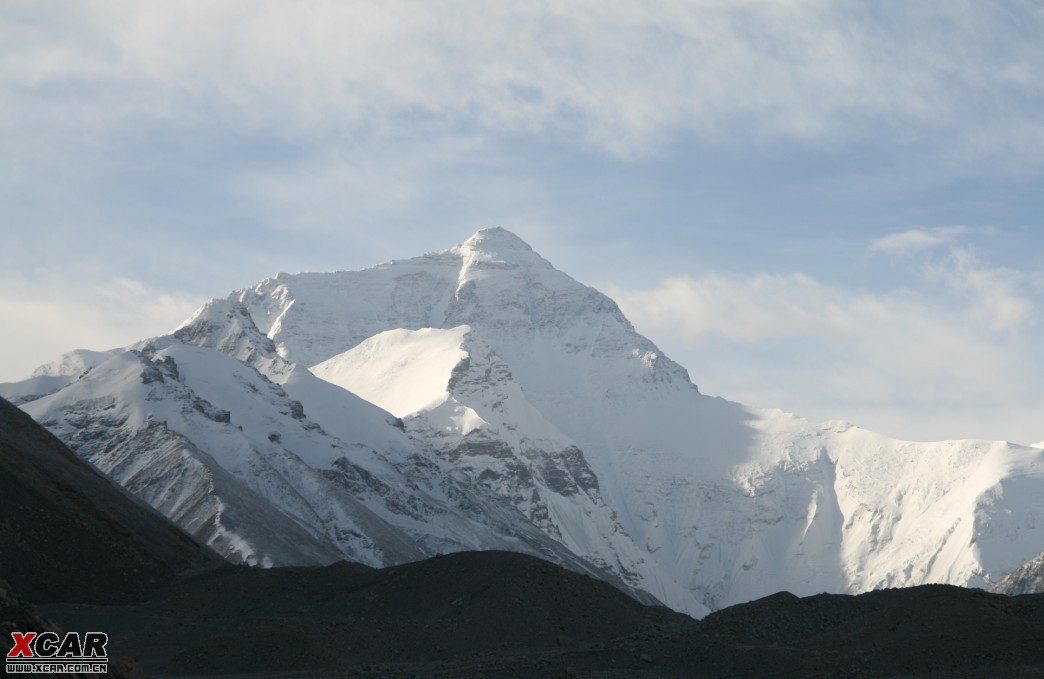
{"x":478,"y":398}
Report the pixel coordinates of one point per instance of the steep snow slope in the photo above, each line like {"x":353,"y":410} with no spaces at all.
{"x":723,"y":501}
{"x":1026,"y":579}
{"x":118,"y":417}
{"x":248,"y":466}
{"x":864,"y":511}
{"x":402,"y":371}
{"x":489,"y":429}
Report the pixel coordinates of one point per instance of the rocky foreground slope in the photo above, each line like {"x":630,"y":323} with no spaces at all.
{"x":500,"y":614}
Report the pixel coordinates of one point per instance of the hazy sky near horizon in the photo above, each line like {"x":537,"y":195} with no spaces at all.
{"x":835,"y":208}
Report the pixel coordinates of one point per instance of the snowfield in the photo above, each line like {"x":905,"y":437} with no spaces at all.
{"x":479,"y":398}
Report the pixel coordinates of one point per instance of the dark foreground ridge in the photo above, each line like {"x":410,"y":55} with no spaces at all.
{"x":497,"y":614}
{"x":89,"y":558}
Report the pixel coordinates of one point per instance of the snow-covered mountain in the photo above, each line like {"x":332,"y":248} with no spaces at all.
{"x":209,"y":425}
{"x":1026,"y":579}
{"x":534,"y":417}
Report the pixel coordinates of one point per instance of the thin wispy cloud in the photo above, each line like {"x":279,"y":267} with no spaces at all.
{"x":915,"y":240}
{"x":996,"y":296}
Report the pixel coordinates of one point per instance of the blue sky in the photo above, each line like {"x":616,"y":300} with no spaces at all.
{"x":830,"y":207}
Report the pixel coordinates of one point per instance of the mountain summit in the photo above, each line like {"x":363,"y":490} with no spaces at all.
{"x":499,"y":244}
{"x":477,"y":397}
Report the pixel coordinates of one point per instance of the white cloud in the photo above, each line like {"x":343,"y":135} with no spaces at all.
{"x":621,"y":76}
{"x":751,"y":309}
{"x":993,"y":293}
{"x":50,"y":314}
{"x":921,"y":365}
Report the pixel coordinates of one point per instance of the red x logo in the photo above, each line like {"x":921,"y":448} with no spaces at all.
{"x":21,"y":646}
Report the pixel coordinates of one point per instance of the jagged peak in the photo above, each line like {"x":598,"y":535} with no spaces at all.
{"x":218,"y":312}
{"x":225,"y":325}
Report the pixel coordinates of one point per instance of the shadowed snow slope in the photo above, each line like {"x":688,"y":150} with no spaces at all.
{"x":540,"y":406}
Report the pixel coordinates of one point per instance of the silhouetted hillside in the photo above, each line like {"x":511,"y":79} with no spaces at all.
{"x":498,"y":614}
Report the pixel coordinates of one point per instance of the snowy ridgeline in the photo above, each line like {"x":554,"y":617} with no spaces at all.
{"x":477,"y":398}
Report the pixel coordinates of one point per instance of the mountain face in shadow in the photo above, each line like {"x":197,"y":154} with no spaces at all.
{"x":70,"y":534}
